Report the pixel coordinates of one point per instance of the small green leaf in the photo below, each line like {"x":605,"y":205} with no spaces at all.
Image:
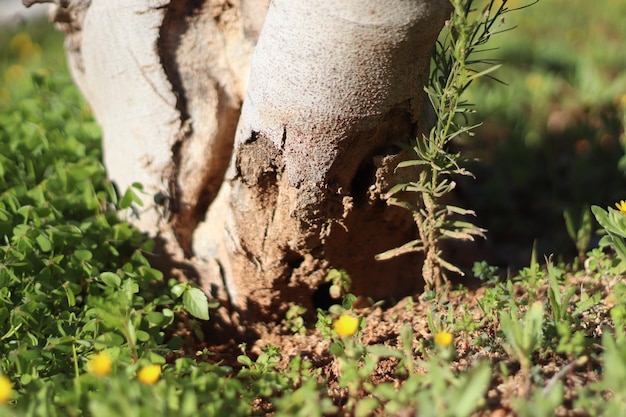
{"x":5,"y":216}
{"x":151,"y":273}
{"x":602,"y":217}
{"x":178,"y":290}
{"x":111,"y":279}
{"x":569,"y":224}
{"x":412,"y":162}
{"x":44,"y":243}
{"x":471,"y":389}
{"x":365,"y":407}
{"x":336,"y":349}
{"x":129,"y":198}
{"x":460,"y":210}
{"x":71,"y":299}
{"x":395,"y":189}
{"x":244,"y":360}
{"x":386,"y":391}
{"x":450,"y":267}
{"x":196,"y":303}
{"x":483,"y":73}
{"x":155,"y":317}
{"x":385,"y":351}
{"x":143,"y":336}
{"x":412,"y":246}
{"x":83,"y":255}
{"x":348,"y":300}
{"x":155,"y":358}
{"x":620,"y":247}
{"x":458,"y":235}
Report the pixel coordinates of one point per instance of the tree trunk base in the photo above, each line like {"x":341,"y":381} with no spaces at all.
{"x":258,"y":201}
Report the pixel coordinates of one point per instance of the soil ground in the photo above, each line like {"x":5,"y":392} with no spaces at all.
{"x":385,"y":321}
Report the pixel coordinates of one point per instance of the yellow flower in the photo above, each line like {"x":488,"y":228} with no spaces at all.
{"x":22,"y":46}
{"x":443,"y":339}
{"x":621,"y":206}
{"x":346,"y":325}
{"x":19,"y":41}
{"x":149,"y":374}
{"x":100,"y":364}
{"x":6,"y":389}
{"x":14,"y":74}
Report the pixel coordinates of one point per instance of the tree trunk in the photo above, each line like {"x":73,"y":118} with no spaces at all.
{"x":262,"y":172}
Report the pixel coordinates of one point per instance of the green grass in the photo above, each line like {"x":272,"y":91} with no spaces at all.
{"x":541,"y":340}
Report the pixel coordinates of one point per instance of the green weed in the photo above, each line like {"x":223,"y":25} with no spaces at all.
{"x":455,"y":67}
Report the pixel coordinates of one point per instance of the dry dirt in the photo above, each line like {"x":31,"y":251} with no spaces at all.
{"x":383,"y":325}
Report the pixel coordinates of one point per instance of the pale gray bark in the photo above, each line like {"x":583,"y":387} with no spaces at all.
{"x":333,"y":85}
{"x":264,"y":208}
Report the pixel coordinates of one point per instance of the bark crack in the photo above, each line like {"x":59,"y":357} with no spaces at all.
{"x":283,"y":139}
{"x":169,"y":37}
{"x":194,"y":62}
{"x":268,"y":225}
{"x":167,"y":41}
{"x":175,"y":24}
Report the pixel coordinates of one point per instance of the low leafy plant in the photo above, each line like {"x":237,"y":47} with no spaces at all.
{"x":579,"y":232}
{"x":606,"y":396}
{"x":614,"y":224}
{"x":438,"y":391}
{"x":485,"y":272}
{"x":340,"y":283}
{"x":559,"y":299}
{"x":542,"y":403}
{"x":523,"y":333}
{"x":294,"y":320}
{"x":74,"y":278}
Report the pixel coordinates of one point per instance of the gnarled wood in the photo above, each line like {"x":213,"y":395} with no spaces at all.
{"x":263,"y":199}
{"x":332,"y":87}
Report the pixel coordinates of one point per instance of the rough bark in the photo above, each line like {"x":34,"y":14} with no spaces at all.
{"x":264,"y":204}
{"x":315,"y":152}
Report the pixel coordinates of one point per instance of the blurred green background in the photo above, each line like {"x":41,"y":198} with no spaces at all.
{"x":551,"y":139}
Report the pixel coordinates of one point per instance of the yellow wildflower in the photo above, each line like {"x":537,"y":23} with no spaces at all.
{"x":149,"y":374}
{"x":14,"y":74}
{"x":6,"y":389}
{"x":621,"y":206}
{"x":23,"y":46}
{"x":443,"y":339}
{"x":346,"y":325}
{"x":100,"y":364}
{"x":19,"y":42}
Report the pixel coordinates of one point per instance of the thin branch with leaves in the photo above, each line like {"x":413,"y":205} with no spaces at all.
{"x":455,"y":66}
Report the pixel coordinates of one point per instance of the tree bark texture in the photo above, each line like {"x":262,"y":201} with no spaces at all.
{"x":262,"y":170}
